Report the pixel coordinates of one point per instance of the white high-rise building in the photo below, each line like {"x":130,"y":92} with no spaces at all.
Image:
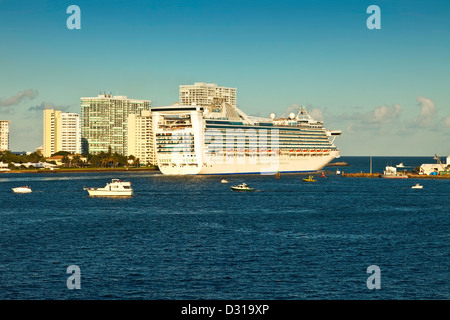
{"x":207,"y":94}
{"x":4,"y":135}
{"x":70,"y":132}
{"x":104,"y":122}
{"x":141,"y":140}
{"x":62,"y":132}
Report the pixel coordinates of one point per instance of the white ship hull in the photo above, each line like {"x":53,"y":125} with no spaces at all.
{"x":294,"y":164}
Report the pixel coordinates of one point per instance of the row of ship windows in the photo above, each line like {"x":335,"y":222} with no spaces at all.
{"x":248,"y":151}
{"x":247,"y":145}
{"x":270,"y":134}
{"x":301,"y":129}
{"x":280,"y":141}
{"x":257,"y":155}
{"x":260,"y":154}
{"x":181,"y":164}
{"x":238,"y":139}
{"x":177,"y":133}
{"x":254,"y":143}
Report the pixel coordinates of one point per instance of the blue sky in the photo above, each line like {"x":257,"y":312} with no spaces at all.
{"x":387,"y":89}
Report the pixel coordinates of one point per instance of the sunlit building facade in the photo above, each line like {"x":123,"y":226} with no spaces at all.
{"x":4,"y":135}
{"x":141,"y":140}
{"x":104,"y":122}
{"x":62,"y":132}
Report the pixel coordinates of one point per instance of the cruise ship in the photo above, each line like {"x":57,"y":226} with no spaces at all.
{"x":222,"y":139}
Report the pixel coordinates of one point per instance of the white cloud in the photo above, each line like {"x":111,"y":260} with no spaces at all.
{"x":316,"y":114}
{"x":427,"y":112}
{"x":427,"y":106}
{"x":293,"y":108}
{"x":379,"y":117}
{"x":447,"y":121}
{"x":385,"y":114}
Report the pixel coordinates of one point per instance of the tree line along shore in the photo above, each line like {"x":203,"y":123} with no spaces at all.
{"x":104,"y":161}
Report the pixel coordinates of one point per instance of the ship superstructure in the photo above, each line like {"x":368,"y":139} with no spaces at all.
{"x":221,"y":139}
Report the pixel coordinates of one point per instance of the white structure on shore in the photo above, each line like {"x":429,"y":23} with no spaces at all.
{"x":62,"y":132}
{"x":4,"y":135}
{"x":435,"y":168}
{"x":37,"y":165}
{"x":141,"y":140}
{"x":4,"y":166}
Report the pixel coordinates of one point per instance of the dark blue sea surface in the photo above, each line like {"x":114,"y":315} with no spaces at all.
{"x":190,"y":237}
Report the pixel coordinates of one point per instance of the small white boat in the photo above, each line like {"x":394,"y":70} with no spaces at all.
{"x":224,"y":181}
{"x":242,"y":187}
{"x":116,"y":188}
{"x":24,"y":189}
{"x":400,"y":165}
{"x":417,"y":186}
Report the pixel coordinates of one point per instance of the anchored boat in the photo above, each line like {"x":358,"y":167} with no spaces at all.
{"x":116,"y":188}
{"x":24,"y":189}
{"x":309,"y":179}
{"x":242,"y":187}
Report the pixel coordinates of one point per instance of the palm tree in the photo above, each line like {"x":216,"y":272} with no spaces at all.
{"x":76,"y":160}
{"x":66,"y":161}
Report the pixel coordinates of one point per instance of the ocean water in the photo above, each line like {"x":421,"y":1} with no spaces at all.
{"x":190,"y":237}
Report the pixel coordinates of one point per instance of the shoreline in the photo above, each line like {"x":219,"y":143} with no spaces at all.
{"x":155,"y":169}
{"x":80,"y":170}
{"x":409,"y":175}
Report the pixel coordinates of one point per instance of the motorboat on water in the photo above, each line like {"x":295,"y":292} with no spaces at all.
{"x":242,"y":187}
{"x":417,"y":186}
{"x":224,"y":181}
{"x":116,"y":188}
{"x":309,"y":179}
{"x":24,"y":189}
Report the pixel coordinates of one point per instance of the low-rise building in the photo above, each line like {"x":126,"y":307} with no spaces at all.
{"x":435,"y":168}
{"x":58,"y":159}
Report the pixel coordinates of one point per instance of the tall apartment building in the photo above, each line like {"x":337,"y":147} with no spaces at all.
{"x":104,"y":122}
{"x":4,"y":135}
{"x":207,"y":94}
{"x":62,"y":132}
{"x":141,"y":141}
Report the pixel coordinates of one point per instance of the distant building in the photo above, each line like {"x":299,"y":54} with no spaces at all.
{"x":430,"y":169}
{"x":104,"y":122}
{"x":207,"y":94}
{"x":62,"y":132}
{"x":141,"y":141}
{"x":4,"y":166}
{"x":40,"y":150}
{"x":4,"y":135}
{"x":58,"y":159}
